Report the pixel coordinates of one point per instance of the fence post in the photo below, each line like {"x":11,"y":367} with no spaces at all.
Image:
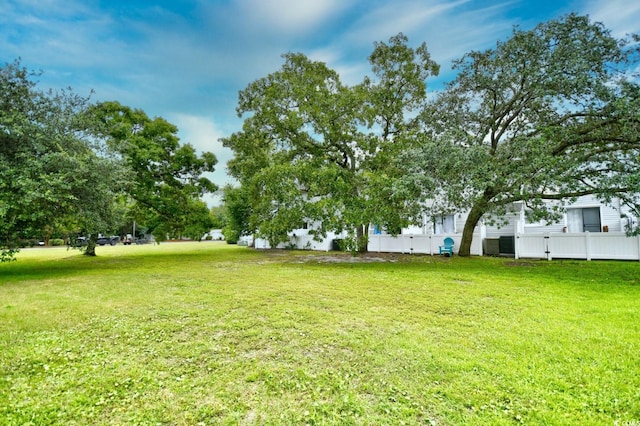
{"x":547,"y":240}
{"x":517,"y":246}
{"x":587,"y":243}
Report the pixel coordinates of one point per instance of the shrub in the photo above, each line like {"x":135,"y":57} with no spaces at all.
{"x":27,"y":243}
{"x":231,"y":235}
{"x":56,"y":242}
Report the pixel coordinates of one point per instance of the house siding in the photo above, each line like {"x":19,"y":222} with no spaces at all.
{"x":510,"y":228}
{"x":609,"y":216}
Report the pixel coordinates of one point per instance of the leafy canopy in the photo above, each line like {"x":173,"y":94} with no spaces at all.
{"x":550,"y":114}
{"x":69,"y":166}
{"x":315,"y":150}
{"x":166,"y":176}
{"x":52,"y":179}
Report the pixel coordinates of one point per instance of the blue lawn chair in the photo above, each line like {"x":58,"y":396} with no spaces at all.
{"x":447,"y":248}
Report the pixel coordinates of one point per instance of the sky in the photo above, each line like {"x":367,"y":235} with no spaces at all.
{"x":186,"y":60}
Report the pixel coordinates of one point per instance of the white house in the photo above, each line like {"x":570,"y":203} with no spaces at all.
{"x":214,"y":234}
{"x":588,"y":230}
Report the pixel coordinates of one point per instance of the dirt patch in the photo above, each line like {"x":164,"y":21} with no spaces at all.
{"x":337,"y":257}
{"x":519,"y":263}
{"x":347,"y":259}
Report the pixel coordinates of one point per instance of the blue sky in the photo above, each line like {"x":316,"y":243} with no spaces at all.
{"x":187,"y":60}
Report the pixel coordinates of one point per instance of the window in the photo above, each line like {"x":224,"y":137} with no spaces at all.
{"x":444,"y":224}
{"x":584,"y":220}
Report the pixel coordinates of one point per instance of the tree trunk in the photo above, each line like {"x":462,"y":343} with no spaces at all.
{"x":91,"y":246}
{"x":467,"y":233}
{"x":478,"y":209}
{"x":362,"y":238}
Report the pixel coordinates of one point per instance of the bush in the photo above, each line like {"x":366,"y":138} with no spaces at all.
{"x":231,"y":235}
{"x":27,"y":243}
{"x":208,"y":238}
{"x":56,"y":242}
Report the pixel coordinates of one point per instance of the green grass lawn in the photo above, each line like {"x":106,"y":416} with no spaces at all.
{"x":206,"y":333}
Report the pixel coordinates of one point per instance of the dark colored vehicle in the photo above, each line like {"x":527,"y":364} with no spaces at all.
{"x":112,"y":241}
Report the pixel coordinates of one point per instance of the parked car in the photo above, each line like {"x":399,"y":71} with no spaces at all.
{"x":112,"y":240}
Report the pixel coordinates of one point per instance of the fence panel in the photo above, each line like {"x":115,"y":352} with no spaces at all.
{"x":614,"y":246}
{"x":586,"y":245}
{"x":532,"y":245}
{"x":568,"y":246}
{"x":419,"y":243}
{"x":386,"y":244}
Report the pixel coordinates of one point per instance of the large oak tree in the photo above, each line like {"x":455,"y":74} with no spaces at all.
{"x":314,"y":149}
{"x":166,"y":177}
{"x":50,"y":176}
{"x":67,"y":164}
{"x":550,"y":114}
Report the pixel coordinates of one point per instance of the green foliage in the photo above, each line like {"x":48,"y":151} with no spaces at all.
{"x":243,"y":336}
{"x":51,"y":176}
{"x":550,"y":114}
{"x":238,"y":213}
{"x":7,"y":254}
{"x":75,"y":168}
{"x":31,"y":242}
{"x":231,"y":236}
{"x":315,"y":150}
{"x":55,"y":242}
{"x":165,"y":177}
{"x":218,"y":217}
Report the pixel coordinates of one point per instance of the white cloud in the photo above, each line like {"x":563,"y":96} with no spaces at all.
{"x":400,"y":16}
{"x":450,"y":29}
{"x":201,"y":132}
{"x":290,"y":16}
{"x":622,"y":17}
{"x":204,"y":134}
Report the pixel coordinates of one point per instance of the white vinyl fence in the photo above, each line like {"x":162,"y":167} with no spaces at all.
{"x":303,"y":242}
{"x":584,"y":245}
{"x":408,"y":244}
{"x":419,"y":243}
